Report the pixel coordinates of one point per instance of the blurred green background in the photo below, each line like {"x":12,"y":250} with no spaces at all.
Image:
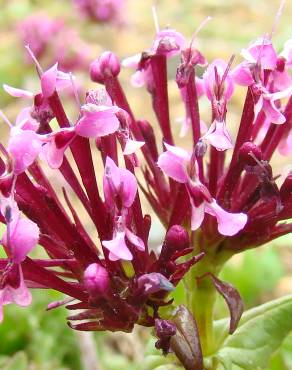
{"x":38,"y":340}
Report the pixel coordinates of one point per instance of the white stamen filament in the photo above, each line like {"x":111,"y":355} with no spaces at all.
{"x":155,"y":18}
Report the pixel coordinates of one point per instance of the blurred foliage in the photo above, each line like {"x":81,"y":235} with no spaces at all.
{"x":33,"y":338}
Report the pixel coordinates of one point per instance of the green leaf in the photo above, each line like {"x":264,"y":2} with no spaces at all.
{"x":260,"y":333}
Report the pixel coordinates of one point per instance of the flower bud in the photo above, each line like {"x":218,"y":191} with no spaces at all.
{"x":164,"y":330}
{"x":106,"y":66}
{"x":177,"y":238}
{"x":96,"y":279}
{"x":153,"y":283}
{"x":248,"y":153}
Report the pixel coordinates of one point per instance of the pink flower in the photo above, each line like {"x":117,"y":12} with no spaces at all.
{"x":55,"y":145}
{"x":142,"y":76}
{"x":119,"y":185}
{"x":218,"y":83}
{"x":261,"y":51}
{"x":37,"y":32}
{"x":118,"y":247}
{"x":181,"y":166}
{"x":18,"y":240}
{"x":97,"y":120}
{"x":51,"y":80}
{"x":168,"y":42}
{"x":218,"y":136}
{"x":24,"y":146}
{"x":102,"y":11}
{"x":96,"y":279}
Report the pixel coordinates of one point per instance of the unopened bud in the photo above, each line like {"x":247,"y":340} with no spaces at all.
{"x":177,"y":238}
{"x":153,"y":283}
{"x":96,"y":279}
{"x":106,"y":66}
{"x":249,"y":153}
{"x":200,"y":148}
{"x":164,"y":328}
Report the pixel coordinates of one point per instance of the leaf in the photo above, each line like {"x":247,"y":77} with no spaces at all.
{"x":233,"y":300}
{"x":186,"y":343}
{"x":259,"y":335}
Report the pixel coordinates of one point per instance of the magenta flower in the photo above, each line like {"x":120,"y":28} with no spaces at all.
{"x":182,"y":167}
{"x":24,"y":147}
{"x":261,"y":51}
{"x":97,"y":120}
{"x":18,"y":240}
{"x":102,"y":11}
{"x":226,"y":203}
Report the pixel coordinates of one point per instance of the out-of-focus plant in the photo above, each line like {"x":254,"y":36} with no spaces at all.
{"x":111,"y":11}
{"x":214,"y":204}
{"x":50,"y":39}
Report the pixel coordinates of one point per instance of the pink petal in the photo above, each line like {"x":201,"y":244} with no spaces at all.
{"x":168,"y":42}
{"x":25,"y":121}
{"x":129,"y":187}
{"x":17,"y":93}
{"x":210,"y":81}
{"x":53,"y":151}
{"x":49,"y":81}
{"x":118,"y":248}
{"x":132,"y":146}
{"x":21,"y":295}
{"x":173,"y":166}
{"x":24,"y":146}
{"x":98,"y":123}
{"x":242,"y":75}
{"x":24,"y":235}
{"x":261,"y":51}
{"x":132,"y":61}
{"x":229,"y":224}
{"x":138,"y":79}
{"x":272,"y":112}
{"x":218,"y":136}
{"x":198,"y":214}
{"x":135,"y":240}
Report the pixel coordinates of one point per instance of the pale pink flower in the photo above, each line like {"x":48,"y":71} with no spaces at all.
{"x":179,"y":165}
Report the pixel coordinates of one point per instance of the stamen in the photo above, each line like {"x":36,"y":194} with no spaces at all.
{"x":34,"y":59}
{"x":5,"y":119}
{"x":277,"y":18}
{"x":201,"y":26}
{"x":155,"y":18}
{"x":260,"y":163}
{"x":74,"y":89}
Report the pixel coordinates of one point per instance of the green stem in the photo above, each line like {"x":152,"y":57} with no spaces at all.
{"x":201,"y":294}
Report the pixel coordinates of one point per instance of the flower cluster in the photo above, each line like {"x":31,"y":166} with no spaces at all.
{"x":103,"y":11}
{"x":49,"y":38}
{"x":210,"y":203}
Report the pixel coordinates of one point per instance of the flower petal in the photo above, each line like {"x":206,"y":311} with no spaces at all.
{"x":218,"y":136}
{"x":135,"y":240}
{"x":118,"y":248}
{"x":17,"y":93}
{"x":132,"y":146}
{"x":229,"y":224}
{"x":49,"y":81}
{"x":97,"y":124}
{"x":198,"y":214}
{"x":173,"y":166}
